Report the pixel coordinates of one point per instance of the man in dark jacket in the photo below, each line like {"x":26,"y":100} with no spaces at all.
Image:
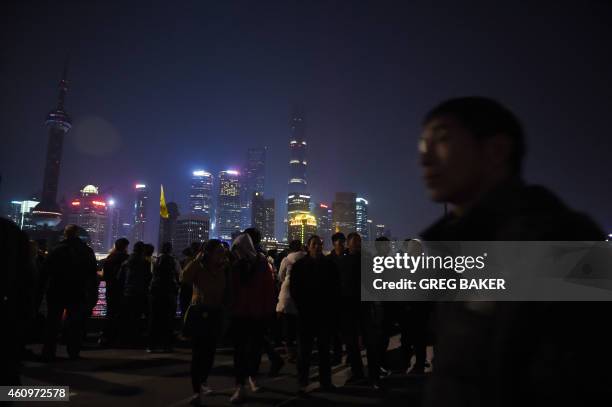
{"x":314,"y":287}
{"x":114,"y":290}
{"x":17,"y":292}
{"x":73,"y":283}
{"x":358,"y":318}
{"x":134,"y":277}
{"x":335,"y":255}
{"x":162,"y":300}
{"x":503,"y":354}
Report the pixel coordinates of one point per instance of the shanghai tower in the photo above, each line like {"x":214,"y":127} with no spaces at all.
{"x":300,"y":221}
{"x":58,"y":123}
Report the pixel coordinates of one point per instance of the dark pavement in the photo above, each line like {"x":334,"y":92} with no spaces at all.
{"x":132,"y":377}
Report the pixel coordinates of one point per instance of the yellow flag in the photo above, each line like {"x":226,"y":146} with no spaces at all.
{"x":163,"y":209}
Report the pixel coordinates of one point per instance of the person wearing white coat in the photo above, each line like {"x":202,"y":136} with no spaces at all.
{"x":285,"y":308}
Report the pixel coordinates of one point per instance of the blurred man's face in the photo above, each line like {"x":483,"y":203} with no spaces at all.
{"x":452,"y":160}
{"x":354,"y":244}
{"x":315,"y":247}
{"x":339,"y":245}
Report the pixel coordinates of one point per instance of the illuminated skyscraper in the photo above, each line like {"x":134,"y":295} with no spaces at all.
{"x":344,"y":212}
{"x":228,"y":205}
{"x":89,"y":211}
{"x":361,"y":218}
{"x":47,"y":212}
{"x":114,"y":222}
{"x":255,"y":173}
{"x":140,"y":213}
{"x":189,"y":229}
{"x":201,"y":193}
{"x":298,"y":200}
{"x":323,"y":214}
{"x":20,"y":212}
{"x":380,"y":230}
{"x":263,"y":215}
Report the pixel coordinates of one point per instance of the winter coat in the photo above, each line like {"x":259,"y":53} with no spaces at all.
{"x":285,"y":303}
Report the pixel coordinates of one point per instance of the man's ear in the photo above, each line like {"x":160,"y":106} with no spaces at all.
{"x":499,"y":149}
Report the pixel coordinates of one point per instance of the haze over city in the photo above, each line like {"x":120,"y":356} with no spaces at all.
{"x":157,"y":92}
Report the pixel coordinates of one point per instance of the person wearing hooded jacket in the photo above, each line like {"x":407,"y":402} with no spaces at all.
{"x":252,"y":304}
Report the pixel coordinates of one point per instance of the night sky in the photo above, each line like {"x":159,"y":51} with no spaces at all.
{"x":159,"y":90}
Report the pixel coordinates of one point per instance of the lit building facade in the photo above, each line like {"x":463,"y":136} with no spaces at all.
{"x":201,"y":193}
{"x":89,"y":211}
{"x":361,"y":218}
{"x":20,"y":212}
{"x":299,"y":216}
{"x":228,"y":205}
{"x":263,"y":215}
{"x":140,"y":213}
{"x":302,"y":226}
{"x":189,"y":229}
{"x":344,"y":212}
{"x":380,"y":230}
{"x":323,"y":214}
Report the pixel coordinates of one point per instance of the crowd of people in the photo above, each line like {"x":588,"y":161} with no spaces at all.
{"x":486,"y":353}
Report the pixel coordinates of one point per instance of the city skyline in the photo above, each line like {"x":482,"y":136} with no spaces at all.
{"x":194,"y":108}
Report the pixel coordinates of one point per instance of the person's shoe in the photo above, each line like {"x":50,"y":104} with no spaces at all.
{"x":205,"y":391}
{"x":149,"y":350}
{"x":253,"y":385}
{"x":376,"y":385}
{"x":384,"y":372}
{"x":238,"y":396}
{"x":275,"y":367}
{"x":195,"y":400}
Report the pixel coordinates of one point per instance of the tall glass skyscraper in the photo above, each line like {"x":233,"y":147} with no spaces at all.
{"x":201,"y":193}
{"x":361,"y":218}
{"x":254,"y":174}
{"x":228,"y":205}
{"x":298,"y":200}
{"x":140,"y":212}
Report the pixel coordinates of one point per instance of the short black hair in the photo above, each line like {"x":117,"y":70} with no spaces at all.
{"x":139,"y":247}
{"x":311,"y":238}
{"x":352,"y":235}
{"x":166,"y":248}
{"x":484,"y":118}
{"x":383,"y":239}
{"x":338,"y":236}
{"x":149,"y":249}
{"x":122,"y":243}
{"x":255,"y":235}
{"x":295,"y":245}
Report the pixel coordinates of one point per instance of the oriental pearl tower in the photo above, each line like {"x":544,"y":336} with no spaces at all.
{"x":47,"y":213}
